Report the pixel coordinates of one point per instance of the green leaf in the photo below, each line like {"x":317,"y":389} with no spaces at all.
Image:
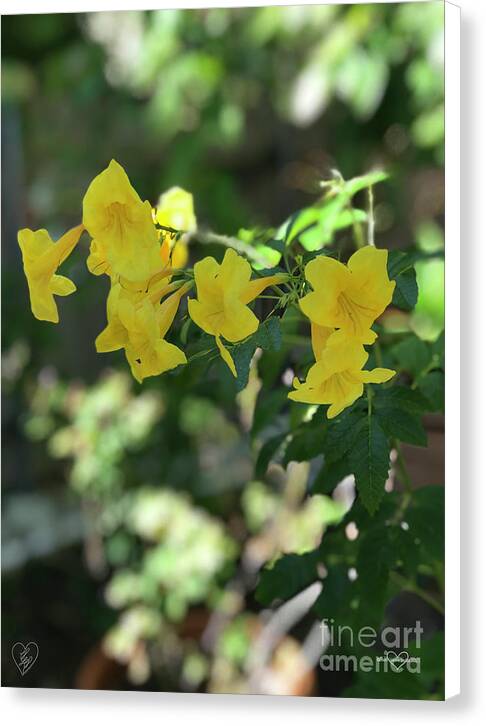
{"x":400,"y":397}
{"x":342,"y":434}
{"x":300,"y":222}
{"x":332,"y":218}
{"x":370,"y":462}
{"x":288,"y":576}
{"x":185,"y":330}
{"x":373,"y":563}
{"x":412,"y":355}
{"x":307,"y":442}
{"x":438,"y":350}
{"x":401,"y":415}
{"x":403,"y":425}
{"x":268,"y":450}
{"x":401,"y":269}
{"x":334,"y":598}
{"x":268,"y":337}
{"x":432,"y":386}
{"x":355,"y":185}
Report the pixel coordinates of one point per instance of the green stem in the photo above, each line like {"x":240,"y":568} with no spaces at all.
{"x":359,"y":239}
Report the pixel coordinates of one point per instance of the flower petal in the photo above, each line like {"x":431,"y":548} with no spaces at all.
{"x":255,"y":287}
{"x":377,"y":375}
{"x":60,"y":285}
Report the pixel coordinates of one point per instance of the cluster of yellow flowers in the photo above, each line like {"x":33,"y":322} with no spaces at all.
{"x":345,"y":302}
{"x":131,"y":246}
{"x":135,"y":246}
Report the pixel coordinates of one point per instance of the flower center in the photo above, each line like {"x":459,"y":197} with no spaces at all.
{"x":359,"y":315}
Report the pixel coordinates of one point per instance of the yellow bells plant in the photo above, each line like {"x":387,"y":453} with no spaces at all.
{"x":349,"y":297}
{"x":337,"y":378}
{"x":41,"y":258}
{"x":223,"y":293}
{"x":121,"y":225}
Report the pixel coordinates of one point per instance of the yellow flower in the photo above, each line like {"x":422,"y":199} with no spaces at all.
{"x":96,"y":262}
{"x":175,"y":209}
{"x":173,"y":252}
{"x":319,"y":338}
{"x":42,"y":257}
{"x":121,"y":225}
{"x":337,"y":377}
{"x":139,"y":324}
{"x":223,"y":293}
{"x":352,"y":297}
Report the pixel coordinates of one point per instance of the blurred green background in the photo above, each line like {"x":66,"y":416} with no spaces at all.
{"x":127,"y":510}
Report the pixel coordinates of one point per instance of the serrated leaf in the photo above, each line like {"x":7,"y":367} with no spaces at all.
{"x":341,"y":434}
{"x":400,"y":397}
{"x":401,"y":269}
{"x":370,"y":462}
{"x":288,"y":576}
{"x":403,"y":425}
{"x":399,"y":411}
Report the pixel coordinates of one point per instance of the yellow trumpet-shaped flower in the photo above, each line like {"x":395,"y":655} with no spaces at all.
{"x":223,"y":293}
{"x":349,"y":297}
{"x":319,"y":337}
{"x":97,"y":262}
{"x":121,"y":224}
{"x":139,"y":326}
{"x":175,"y":209}
{"x":337,"y":377}
{"x":41,"y":258}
